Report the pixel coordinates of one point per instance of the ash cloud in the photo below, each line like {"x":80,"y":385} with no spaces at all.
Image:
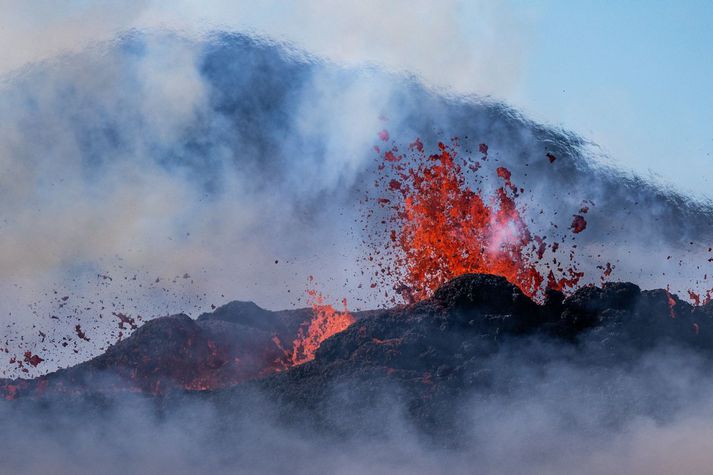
{"x":431,"y":39}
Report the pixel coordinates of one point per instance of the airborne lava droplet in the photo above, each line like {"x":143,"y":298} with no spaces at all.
{"x":579,"y":224}
{"x":417,"y":144}
{"x":390,"y":157}
{"x":125,"y":320}
{"x":34,"y":360}
{"x":80,"y":333}
{"x":551,"y":157}
{"x":505,"y":174}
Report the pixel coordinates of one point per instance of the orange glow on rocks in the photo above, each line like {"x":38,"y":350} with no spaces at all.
{"x":671,"y":304}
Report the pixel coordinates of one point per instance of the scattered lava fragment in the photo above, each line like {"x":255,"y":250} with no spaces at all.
{"x":418,"y":145}
{"x":700,"y":299}
{"x":551,"y":157}
{"x":125,"y":320}
{"x":579,"y":224}
{"x":31,"y":359}
{"x":80,"y":333}
{"x":695,"y":297}
{"x":505,"y":174}
{"x":564,"y":283}
{"x":607,"y":270}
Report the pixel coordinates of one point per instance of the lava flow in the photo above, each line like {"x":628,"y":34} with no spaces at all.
{"x":439,"y":227}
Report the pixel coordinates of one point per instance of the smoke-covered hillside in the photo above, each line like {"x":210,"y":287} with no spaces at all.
{"x":157,"y":174}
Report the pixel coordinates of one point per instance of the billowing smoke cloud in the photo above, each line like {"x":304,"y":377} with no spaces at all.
{"x":432,"y":39}
{"x":155,"y":156}
{"x":192,"y":171}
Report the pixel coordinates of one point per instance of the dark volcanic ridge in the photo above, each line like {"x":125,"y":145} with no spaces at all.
{"x":430,"y":352}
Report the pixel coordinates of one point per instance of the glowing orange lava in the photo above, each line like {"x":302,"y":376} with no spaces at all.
{"x":440,"y":227}
{"x":325,"y":322}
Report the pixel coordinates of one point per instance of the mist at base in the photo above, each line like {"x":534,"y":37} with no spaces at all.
{"x":478,"y":376}
{"x":648,"y":418}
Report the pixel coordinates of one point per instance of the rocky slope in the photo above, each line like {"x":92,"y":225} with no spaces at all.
{"x":428,"y":354}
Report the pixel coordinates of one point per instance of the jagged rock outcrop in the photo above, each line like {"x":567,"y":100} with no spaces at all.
{"x":234,"y":343}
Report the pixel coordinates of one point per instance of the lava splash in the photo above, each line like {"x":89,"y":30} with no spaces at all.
{"x":440,"y":226}
{"x":325,"y":322}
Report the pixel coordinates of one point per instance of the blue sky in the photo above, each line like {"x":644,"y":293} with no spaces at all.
{"x":634,"y":76}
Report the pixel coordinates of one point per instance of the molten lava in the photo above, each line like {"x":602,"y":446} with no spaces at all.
{"x":325,"y":322}
{"x":441,"y":227}
{"x":579,"y":224}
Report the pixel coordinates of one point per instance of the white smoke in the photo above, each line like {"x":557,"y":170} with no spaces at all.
{"x":648,"y":417}
{"x":467,"y":47}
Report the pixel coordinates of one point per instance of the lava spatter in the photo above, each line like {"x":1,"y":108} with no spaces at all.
{"x":579,"y":224}
{"x":440,"y":226}
{"x":326,"y":321}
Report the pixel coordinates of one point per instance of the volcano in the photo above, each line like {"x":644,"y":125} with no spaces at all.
{"x":433,"y":351}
